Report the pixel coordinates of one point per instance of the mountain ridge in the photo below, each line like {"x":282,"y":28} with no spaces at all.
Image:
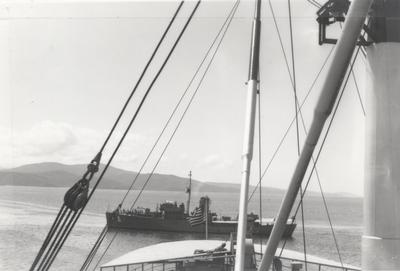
{"x":53,"y":174}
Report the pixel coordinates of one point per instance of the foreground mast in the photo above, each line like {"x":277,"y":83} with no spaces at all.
{"x":252,"y":88}
{"x":381,"y":239}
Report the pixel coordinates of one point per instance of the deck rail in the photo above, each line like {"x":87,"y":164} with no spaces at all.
{"x":226,"y":263}
{"x":289,"y":264}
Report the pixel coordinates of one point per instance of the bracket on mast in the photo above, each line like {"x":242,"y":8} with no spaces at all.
{"x":335,"y":11}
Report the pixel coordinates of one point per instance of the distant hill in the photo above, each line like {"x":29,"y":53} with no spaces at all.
{"x":60,"y":175}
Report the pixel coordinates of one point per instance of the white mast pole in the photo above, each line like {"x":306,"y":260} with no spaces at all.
{"x":341,"y":58}
{"x":381,"y":237}
{"x":252,"y":88}
{"x":189,"y":191}
{"x":207,"y":199}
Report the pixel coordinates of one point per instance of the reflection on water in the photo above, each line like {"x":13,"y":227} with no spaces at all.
{"x":26,"y":215}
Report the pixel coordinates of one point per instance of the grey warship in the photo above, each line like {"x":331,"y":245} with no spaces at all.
{"x":172,"y":217}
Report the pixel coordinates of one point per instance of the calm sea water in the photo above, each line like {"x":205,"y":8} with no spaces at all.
{"x":26,"y":214}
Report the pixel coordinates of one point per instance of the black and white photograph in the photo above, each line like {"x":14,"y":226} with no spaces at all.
{"x":189,"y":135}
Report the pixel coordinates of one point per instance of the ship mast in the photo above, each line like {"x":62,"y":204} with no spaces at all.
{"x":381,"y":237}
{"x":252,"y":88}
{"x":189,"y":191}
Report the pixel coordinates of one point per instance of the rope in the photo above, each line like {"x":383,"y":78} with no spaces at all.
{"x":297,"y":124}
{"x":279,"y":37}
{"x":304,"y":100}
{"x":290,"y":126}
{"x":184,"y":112}
{"x":142,"y":74}
{"x":317,"y":3}
{"x":232,"y":11}
{"x":179,"y":102}
{"x":351,"y":72}
{"x":294,"y":76}
{"x":65,"y":233}
{"x":317,"y":158}
{"x":56,"y":244}
{"x":153,"y":82}
{"x":319,"y":152}
{"x":303,"y":230}
{"x":302,"y":194}
{"x":104,"y":253}
{"x":259,"y":158}
{"x":314,"y":3}
{"x":358,"y":91}
{"x":231,"y":14}
{"x":361,"y":49}
{"x":62,"y":210}
{"x":55,"y":227}
{"x":94,"y":249}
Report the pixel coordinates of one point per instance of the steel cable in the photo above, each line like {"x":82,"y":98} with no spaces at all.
{"x":227,"y":23}
{"x":293,"y":120}
{"x":58,"y":242}
{"x":315,"y":161}
{"x":233,"y":10}
{"x":142,"y":74}
{"x":296,"y":103}
{"x":49,"y":236}
{"x":302,"y":193}
{"x":56,"y":223}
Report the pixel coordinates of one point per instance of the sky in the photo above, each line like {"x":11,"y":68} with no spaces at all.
{"x":69,"y":66}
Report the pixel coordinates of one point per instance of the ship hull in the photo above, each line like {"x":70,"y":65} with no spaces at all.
{"x":144,"y":223}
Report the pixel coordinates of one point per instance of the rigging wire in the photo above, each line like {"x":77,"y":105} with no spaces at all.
{"x":223,"y":31}
{"x":317,"y":3}
{"x":315,"y":161}
{"x":297,"y":124}
{"x":303,"y":229}
{"x":49,"y":236}
{"x":300,"y":205}
{"x":104,"y":253}
{"x":232,"y":11}
{"x":361,"y":49}
{"x":169,"y":141}
{"x":294,"y":76}
{"x":54,"y":244}
{"x":69,"y":228}
{"x":314,"y":3}
{"x":187,"y":107}
{"x":279,"y":37}
{"x":166,"y":125}
{"x":358,"y":90}
{"x":59,"y":219}
{"x":94,"y":249}
{"x":291,"y":124}
{"x":142,"y":74}
{"x":259,"y":157}
{"x":45,"y":264}
{"x":304,"y":100}
{"x":319,"y":152}
{"x":303,"y":126}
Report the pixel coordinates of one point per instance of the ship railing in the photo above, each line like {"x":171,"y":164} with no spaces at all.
{"x":280,"y":264}
{"x":174,"y":265}
{"x":165,"y":266}
{"x":289,"y":264}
